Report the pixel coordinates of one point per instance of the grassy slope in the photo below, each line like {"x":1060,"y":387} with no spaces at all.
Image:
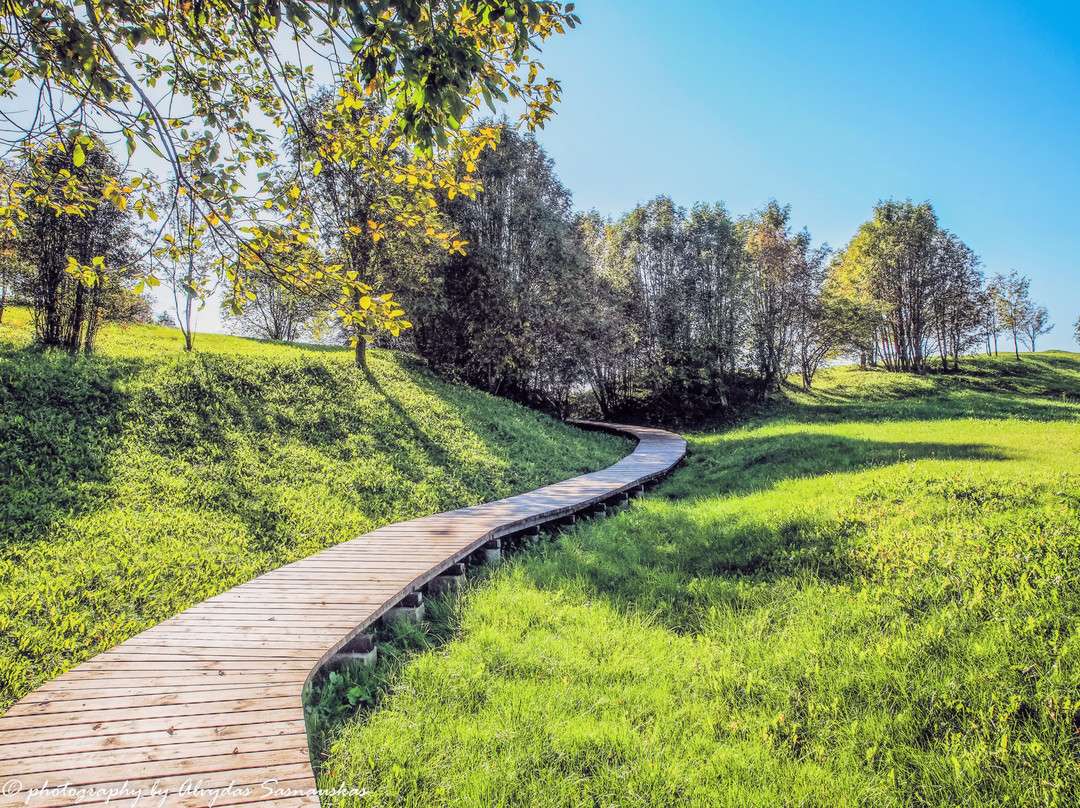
{"x":144,"y":479}
{"x":867,"y":596}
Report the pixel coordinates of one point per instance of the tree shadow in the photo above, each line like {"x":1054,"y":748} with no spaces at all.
{"x":1043,"y":387}
{"x":60,"y":419}
{"x":754,"y":464}
{"x":705,"y":533}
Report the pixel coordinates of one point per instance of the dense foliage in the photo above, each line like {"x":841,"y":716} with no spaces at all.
{"x":865,"y":595}
{"x":145,"y":479}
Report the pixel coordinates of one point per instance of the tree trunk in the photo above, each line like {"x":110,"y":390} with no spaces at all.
{"x":361,"y":352}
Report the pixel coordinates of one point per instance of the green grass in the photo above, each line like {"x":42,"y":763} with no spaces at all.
{"x":142,"y":480}
{"x":867,"y":595}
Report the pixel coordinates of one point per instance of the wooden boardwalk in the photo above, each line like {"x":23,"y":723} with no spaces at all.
{"x":205,"y":709}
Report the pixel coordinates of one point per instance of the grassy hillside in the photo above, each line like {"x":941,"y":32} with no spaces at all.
{"x":142,"y":480}
{"x":869,"y":595}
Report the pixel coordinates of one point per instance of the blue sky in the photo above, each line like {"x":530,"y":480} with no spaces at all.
{"x":830,"y":107}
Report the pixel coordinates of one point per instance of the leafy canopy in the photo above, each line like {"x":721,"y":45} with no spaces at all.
{"x":207,"y":86}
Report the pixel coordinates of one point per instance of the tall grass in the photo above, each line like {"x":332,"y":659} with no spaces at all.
{"x":869,"y":595}
{"x":142,"y":480}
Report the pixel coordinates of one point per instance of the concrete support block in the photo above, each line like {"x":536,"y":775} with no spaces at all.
{"x":360,"y":648}
{"x":492,"y":551}
{"x":410,"y":607}
{"x":449,"y":580}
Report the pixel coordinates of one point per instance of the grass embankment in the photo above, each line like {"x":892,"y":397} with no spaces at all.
{"x":867,"y":596}
{"x":143,"y":479}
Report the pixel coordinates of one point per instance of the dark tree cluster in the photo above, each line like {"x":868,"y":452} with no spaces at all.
{"x":73,"y":265}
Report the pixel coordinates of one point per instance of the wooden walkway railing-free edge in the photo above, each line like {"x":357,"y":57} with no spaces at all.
{"x":205,"y":709}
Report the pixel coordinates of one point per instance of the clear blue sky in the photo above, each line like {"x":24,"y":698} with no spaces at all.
{"x":830,"y":107}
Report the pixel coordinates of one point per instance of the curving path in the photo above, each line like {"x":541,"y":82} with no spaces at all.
{"x":205,"y":709}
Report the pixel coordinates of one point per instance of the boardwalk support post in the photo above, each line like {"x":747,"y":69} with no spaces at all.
{"x":492,"y":551}
{"x":448,"y":580}
{"x":360,"y":648}
{"x":410,"y":607}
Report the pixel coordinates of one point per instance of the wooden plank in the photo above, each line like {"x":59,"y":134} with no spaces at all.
{"x":222,"y":709}
{"x":118,"y":724}
{"x":108,"y":686}
{"x":179,"y":737}
{"x":92,"y":701}
{"x":126,"y":755}
{"x":219,"y":787}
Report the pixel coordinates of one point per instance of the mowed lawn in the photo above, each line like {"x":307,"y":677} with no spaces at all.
{"x":867,"y":595}
{"x":139,"y":481}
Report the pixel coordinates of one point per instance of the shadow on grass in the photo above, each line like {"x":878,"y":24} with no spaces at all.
{"x":754,"y":464}
{"x":718,"y":524}
{"x":1041,"y":387}
{"x":60,"y":418}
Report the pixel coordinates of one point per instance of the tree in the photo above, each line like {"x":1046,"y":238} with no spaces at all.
{"x":187,"y":263}
{"x":191,"y":81}
{"x":955,"y":304}
{"x":774,"y":255}
{"x":900,"y":252}
{"x":614,"y":333}
{"x":508,"y":312}
{"x":816,"y":318}
{"x":712,"y":294}
{"x":1037,"y":324}
{"x":11,"y":264}
{"x":1076,"y":330}
{"x":361,"y":228}
{"x":903,"y":282}
{"x":1013,"y":305}
{"x":988,"y":315}
{"x":79,"y":257}
{"x":277,"y":312}
{"x":853,"y":307}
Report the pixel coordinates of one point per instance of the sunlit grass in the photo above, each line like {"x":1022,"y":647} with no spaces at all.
{"x":143,"y":479}
{"x":868,"y":596}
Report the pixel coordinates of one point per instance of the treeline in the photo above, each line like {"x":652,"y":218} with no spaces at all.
{"x":676,"y":310}
{"x":665,"y":309}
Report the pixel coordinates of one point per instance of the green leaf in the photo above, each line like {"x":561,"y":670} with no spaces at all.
{"x":78,"y":156}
